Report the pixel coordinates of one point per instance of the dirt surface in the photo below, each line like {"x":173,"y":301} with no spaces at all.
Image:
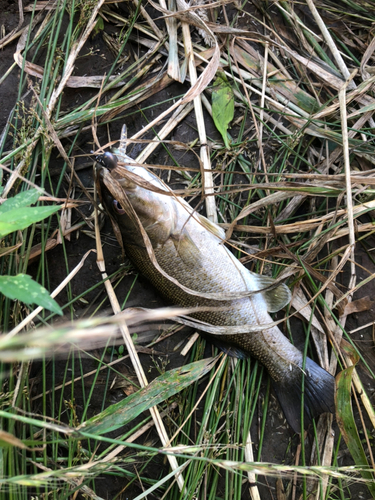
{"x":278,"y":435}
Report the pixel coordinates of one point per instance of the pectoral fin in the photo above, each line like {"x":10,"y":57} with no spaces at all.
{"x":187,"y":250}
{"x":276,"y":298}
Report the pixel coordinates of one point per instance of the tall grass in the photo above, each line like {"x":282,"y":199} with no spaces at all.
{"x":294,"y":190}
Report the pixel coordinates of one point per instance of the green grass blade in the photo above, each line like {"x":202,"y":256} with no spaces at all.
{"x":348,"y":428}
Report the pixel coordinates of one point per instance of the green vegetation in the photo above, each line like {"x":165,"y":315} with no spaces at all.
{"x":291,"y":154}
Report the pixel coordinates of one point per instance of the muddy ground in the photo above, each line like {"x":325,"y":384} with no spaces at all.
{"x":277,"y":435}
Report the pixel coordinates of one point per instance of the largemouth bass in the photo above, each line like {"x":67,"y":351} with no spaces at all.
{"x":183,"y":256}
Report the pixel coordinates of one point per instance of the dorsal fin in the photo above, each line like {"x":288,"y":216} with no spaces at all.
{"x":123,"y":138}
{"x":211,"y":227}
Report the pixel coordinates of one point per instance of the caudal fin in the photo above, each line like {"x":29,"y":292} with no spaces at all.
{"x":319,"y":391}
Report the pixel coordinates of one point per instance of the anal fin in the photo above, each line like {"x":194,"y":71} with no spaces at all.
{"x":226,"y":347}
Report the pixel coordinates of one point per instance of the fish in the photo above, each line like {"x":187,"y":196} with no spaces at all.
{"x":183,"y":256}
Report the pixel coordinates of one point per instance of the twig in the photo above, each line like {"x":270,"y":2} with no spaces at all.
{"x":149,"y":19}
{"x":249,"y":457}
{"x":196,"y":89}
{"x":261,"y":114}
{"x":349,"y":201}
{"x":171,"y":22}
{"x":16,"y":31}
{"x":208,"y":183}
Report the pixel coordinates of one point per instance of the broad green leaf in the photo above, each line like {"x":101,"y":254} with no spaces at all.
{"x":347,"y":425}
{"x":157,"y":391}
{"x":20,"y":200}
{"x":23,"y":288}
{"x":20,"y":218}
{"x":222,"y":105}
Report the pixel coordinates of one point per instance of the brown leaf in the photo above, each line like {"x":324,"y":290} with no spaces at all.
{"x":10,"y":440}
{"x":359,"y":305}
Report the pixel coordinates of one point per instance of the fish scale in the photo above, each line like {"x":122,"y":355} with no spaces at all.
{"x":194,"y":268}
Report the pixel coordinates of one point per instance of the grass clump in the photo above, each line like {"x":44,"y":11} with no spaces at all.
{"x":288,"y":173}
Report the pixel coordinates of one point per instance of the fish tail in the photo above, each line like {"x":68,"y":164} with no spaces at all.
{"x":318,"y":394}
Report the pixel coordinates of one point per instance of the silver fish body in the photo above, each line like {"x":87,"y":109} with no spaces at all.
{"x":191,"y":267}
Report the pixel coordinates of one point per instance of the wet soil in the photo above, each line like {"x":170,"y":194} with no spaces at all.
{"x":277,"y":435}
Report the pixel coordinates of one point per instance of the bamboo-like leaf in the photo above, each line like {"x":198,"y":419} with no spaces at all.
{"x":23,"y":199}
{"x":157,"y":391}
{"x":21,"y":218}
{"x":23,"y":288}
{"x":222,"y":105}
{"x":348,"y":428}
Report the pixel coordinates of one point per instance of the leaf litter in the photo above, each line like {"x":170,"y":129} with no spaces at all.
{"x":292,"y":168}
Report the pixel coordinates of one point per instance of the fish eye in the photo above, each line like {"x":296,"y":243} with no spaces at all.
{"x":108,"y":160}
{"x":118,"y":207}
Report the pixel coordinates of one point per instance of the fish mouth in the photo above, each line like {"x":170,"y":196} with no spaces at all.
{"x":107,"y":198}
{"x":105,"y":194}
{"x":99,"y":171}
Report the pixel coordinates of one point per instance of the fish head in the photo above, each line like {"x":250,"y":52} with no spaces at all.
{"x":135,"y":199}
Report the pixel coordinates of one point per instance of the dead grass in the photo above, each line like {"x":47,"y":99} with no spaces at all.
{"x":296,"y":185}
